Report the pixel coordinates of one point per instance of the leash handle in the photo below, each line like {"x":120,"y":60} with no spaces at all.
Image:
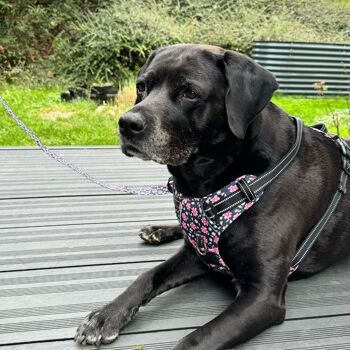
{"x":143,"y":191}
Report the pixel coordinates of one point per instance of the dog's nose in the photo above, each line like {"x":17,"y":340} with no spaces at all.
{"x":131,"y":124}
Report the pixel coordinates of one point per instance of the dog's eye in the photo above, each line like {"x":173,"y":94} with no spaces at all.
{"x":141,"y":87}
{"x":190,"y":94}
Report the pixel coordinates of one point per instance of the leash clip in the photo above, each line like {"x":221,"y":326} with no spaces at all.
{"x":170,"y":184}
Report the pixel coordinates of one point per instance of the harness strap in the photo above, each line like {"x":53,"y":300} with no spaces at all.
{"x":315,"y":232}
{"x":247,"y":192}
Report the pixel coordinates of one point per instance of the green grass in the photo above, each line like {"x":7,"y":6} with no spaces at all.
{"x":317,"y":109}
{"x":85,"y":123}
{"x":55,"y":122}
{"x":340,"y":3}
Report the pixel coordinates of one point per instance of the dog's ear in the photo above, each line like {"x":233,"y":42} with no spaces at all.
{"x":249,"y":89}
{"x":145,"y":66}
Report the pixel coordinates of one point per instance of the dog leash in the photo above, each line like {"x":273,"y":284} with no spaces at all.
{"x":143,"y":191}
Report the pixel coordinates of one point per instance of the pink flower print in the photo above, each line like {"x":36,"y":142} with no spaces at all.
{"x":188,"y":206}
{"x":233,"y":188}
{"x":222,"y":263}
{"x":204,"y":229}
{"x":193,"y":226}
{"x":184,"y":217}
{"x":184,"y":225}
{"x":216,"y":239}
{"x":204,"y":221}
{"x":227,"y":215}
{"x":180,"y":206}
{"x":215,"y":199}
{"x":215,"y":250}
{"x":236,"y":216}
{"x":248,"y":205}
{"x":194,"y":212}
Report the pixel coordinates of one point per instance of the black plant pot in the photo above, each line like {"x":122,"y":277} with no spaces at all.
{"x":74,"y":94}
{"x":103,"y":93}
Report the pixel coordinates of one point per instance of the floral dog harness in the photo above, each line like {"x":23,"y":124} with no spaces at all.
{"x":200,"y":229}
{"x":204,"y":219}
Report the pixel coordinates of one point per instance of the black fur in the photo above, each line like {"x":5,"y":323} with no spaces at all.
{"x":205,"y":112}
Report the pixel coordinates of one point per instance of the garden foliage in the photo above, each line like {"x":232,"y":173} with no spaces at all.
{"x":107,"y":40}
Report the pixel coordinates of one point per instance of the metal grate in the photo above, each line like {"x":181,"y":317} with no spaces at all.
{"x":297,"y":66}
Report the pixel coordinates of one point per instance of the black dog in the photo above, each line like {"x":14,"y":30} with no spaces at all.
{"x":205,"y":113}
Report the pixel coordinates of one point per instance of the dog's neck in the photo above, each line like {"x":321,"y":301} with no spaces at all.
{"x":268,"y":138}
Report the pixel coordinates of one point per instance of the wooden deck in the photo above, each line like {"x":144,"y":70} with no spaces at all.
{"x":67,"y":246}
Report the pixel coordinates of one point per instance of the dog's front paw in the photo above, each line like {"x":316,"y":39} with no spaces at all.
{"x":160,"y":234}
{"x":102,"y":326}
{"x":152,"y":234}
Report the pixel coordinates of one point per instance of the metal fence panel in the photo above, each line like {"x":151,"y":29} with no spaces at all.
{"x":297,"y":66}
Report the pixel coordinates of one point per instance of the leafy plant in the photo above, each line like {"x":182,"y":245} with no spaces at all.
{"x":339,"y":119}
{"x":28,"y":28}
{"x":104,"y":40}
{"x":114,"y":41}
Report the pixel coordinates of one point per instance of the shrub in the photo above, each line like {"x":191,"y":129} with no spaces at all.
{"x":108,"y":45}
{"x":104,"y":40}
{"x":28,"y":27}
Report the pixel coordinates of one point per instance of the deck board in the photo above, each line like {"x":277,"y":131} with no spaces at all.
{"x":32,"y":174}
{"x":67,"y":247}
{"x":77,"y":245}
{"x":58,"y":211}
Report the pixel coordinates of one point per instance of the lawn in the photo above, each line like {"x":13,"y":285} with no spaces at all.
{"x":318,"y":109}
{"x":342,"y":4}
{"x":85,"y":123}
{"x":59,"y":123}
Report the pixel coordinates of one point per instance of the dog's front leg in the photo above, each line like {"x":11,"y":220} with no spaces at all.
{"x":103,"y":325}
{"x":253,"y":311}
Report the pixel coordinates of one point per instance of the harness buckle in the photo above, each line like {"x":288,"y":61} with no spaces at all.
{"x":248,"y":193}
{"x":346,"y":165}
{"x":210,"y":211}
{"x":345,"y":151}
{"x":345,"y":148}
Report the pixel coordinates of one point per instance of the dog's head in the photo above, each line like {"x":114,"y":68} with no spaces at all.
{"x":192,"y":96}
